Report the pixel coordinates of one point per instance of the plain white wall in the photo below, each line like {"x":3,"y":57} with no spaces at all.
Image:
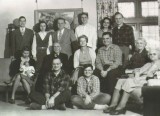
{"x":12,"y":9}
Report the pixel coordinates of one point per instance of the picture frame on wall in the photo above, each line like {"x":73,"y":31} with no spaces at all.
{"x":50,"y":16}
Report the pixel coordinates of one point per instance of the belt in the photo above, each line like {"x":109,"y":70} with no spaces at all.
{"x":42,"y":48}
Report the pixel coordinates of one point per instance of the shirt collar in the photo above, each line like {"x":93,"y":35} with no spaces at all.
{"x":22,"y":28}
{"x":120,"y":26}
{"x":58,"y":73}
{"x":61,"y":31}
{"x":110,"y":46}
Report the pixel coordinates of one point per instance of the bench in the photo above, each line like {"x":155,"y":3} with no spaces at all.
{"x":4,"y":76}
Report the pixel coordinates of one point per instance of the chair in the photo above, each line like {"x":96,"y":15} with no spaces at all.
{"x":151,"y":100}
{"x":4,"y":75}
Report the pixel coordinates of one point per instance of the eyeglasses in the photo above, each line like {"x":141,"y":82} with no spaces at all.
{"x":106,"y":38}
{"x":152,"y":54}
{"x":88,"y":70}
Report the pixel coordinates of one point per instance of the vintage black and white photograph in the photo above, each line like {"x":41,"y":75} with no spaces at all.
{"x":80,"y":57}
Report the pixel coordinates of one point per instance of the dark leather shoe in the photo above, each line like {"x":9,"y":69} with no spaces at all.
{"x":28,"y":101}
{"x":12,"y":101}
{"x":61,"y":107}
{"x":118,"y":112}
{"x":35,"y":106}
{"x":109,"y":109}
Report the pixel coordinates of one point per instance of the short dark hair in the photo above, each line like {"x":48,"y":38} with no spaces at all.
{"x":84,"y":13}
{"x":44,"y":23}
{"x":22,"y":17}
{"x":102,"y":21}
{"x":26,"y":48}
{"x":61,"y":19}
{"x":107,"y":33}
{"x":83,"y":36}
{"x":86,"y":66}
{"x":57,"y":57}
{"x":118,"y":13}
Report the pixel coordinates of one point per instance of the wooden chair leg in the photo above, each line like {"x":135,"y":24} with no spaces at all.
{"x":6,"y":94}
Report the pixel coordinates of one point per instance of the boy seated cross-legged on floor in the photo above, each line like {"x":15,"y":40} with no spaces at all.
{"x":88,"y":89}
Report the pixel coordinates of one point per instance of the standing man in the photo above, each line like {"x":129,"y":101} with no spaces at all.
{"x":56,"y":89}
{"x":21,"y":37}
{"x":65,"y":37}
{"x":88,"y":30}
{"x":123,"y":36}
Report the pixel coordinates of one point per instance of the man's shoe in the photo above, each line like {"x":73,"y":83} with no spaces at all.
{"x":61,"y":107}
{"x":118,"y":112}
{"x":12,"y":101}
{"x":35,"y":106}
{"x":109,"y":109}
{"x":28,"y":101}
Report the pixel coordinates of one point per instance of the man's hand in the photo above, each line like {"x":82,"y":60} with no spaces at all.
{"x":129,"y":56}
{"x":104,"y":73}
{"x":87,"y":100}
{"x":50,"y":103}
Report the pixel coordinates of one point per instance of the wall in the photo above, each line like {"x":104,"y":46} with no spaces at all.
{"x":12,"y":9}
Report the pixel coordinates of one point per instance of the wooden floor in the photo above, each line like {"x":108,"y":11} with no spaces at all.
{"x":20,"y":109}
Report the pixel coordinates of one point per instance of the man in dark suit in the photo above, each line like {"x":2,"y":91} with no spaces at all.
{"x":65,"y":37}
{"x":21,"y":37}
{"x":123,"y":36}
{"x":47,"y":64}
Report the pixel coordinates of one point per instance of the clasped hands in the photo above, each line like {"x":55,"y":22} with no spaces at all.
{"x":87,"y":100}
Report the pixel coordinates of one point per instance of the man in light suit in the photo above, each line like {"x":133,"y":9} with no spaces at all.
{"x":65,"y":37}
{"x":21,"y":37}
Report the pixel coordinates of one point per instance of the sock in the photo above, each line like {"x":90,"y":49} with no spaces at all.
{"x":100,"y":107}
{"x":43,"y":107}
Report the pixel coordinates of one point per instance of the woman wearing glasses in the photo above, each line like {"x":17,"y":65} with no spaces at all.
{"x":134,"y":85}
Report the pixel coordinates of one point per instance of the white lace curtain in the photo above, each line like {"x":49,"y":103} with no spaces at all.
{"x":106,"y":8}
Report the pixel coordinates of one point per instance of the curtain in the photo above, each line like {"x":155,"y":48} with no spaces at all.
{"x":106,"y":8}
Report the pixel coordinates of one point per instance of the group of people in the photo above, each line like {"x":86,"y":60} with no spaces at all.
{"x":83,"y":69}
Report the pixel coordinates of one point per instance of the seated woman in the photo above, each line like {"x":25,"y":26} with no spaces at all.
{"x":131,"y":84}
{"x":140,"y":55}
{"x":88,"y":89}
{"x":82,"y":56}
{"x":15,"y":72}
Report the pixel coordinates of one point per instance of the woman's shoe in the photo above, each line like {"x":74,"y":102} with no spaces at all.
{"x":109,"y":109}
{"x":12,"y":101}
{"x":118,"y":112}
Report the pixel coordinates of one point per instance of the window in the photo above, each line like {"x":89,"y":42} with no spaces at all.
{"x":151,"y":34}
{"x":123,"y":7}
{"x":149,"y":9}
{"x":142,"y":15}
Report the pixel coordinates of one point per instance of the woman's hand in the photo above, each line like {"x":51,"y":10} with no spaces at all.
{"x":35,"y":58}
{"x":75,"y":76}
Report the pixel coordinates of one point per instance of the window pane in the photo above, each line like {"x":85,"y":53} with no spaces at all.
{"x":149,"y":8}
{"x":151,"y":34}
{"x":127,"y":6}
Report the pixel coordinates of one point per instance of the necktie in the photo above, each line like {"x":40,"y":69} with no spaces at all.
{"x":22,"y":31}
{"x":60,"y":35}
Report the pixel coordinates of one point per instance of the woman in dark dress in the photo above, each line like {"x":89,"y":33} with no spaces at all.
{"x":105,"y":27}
{"x":16,"y":73}
{"x":41,"y":44}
